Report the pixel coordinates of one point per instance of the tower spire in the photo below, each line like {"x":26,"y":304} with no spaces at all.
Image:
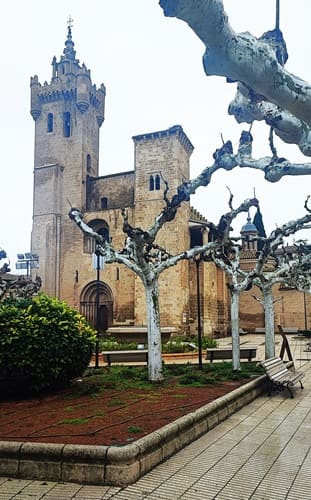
{"x":277,"y":15}
{"x":69,"y":51}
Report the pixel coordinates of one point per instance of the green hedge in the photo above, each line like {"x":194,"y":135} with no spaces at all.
{"x":43,"y":343}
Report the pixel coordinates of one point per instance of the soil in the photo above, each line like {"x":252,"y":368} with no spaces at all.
{"x":108,"y":418}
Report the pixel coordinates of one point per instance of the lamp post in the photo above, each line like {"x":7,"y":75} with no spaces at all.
{"x":98,"y":264}
{"x":27,"y":261}
{"x":305,"y":310}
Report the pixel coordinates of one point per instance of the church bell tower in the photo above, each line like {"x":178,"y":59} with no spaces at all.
{"x":68,"y":113}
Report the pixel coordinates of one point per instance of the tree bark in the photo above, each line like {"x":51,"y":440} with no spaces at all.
{"x":269,"y":322}
{"x":235,"y":296}
{"x":155,"y":373}
{"x":244,"y":58}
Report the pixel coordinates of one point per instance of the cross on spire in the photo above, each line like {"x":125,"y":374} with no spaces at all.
{"x":70,"y":22}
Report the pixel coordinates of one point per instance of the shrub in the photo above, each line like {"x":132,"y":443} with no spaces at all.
{"x":43,"y":343}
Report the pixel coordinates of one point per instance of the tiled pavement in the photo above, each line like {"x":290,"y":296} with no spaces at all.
{"x":261,"y":452}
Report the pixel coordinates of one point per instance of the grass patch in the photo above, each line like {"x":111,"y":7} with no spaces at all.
{"x":115,"y":402}
{"x":75,"y":421}
{"x":134,"y":429}
{"x":121,"y":378}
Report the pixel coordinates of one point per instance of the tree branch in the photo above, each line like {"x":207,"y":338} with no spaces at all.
{"x":257,"y":63}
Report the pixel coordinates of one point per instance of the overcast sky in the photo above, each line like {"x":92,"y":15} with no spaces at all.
{"x":152,"y":69}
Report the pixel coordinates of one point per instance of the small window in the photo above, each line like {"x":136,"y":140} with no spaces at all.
{"x":50,"y":122}
{"x":151,"y":183}
{"x":117,"y":274}
{"x":157,"y":182}
{"x":67,"y":124}
{"x":88,"y":163}
{"x":104,"y":203}
{"x":196,"y":237}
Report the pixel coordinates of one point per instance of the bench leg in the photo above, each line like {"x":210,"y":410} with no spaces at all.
{"x":301,"y":384}
{"x":290,"y":391}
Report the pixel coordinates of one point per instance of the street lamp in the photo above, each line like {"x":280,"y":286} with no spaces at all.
{"x":27,"y":261}
{"x":98,"y":264}
{"x":305,"y":310}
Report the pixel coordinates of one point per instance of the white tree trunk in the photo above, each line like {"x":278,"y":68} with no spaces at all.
{"x":269,"y":322}
{"x":154,"y":332}
{"x":235,"y":295}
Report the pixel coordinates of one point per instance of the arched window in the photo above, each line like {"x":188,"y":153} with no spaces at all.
{"x":157,"y":182}
{"x":50,"y":122}
{"x":102,"y":228}
{"x":88,"y":163}
{"x":67,"y":124}
{"x":151,"y":183}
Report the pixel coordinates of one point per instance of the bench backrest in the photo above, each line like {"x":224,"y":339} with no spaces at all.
{"x":274,"y":367}
{"x":223,"y":353}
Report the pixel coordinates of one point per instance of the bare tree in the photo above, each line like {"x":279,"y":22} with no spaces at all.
{"x":266,"y":90}
{"x":17,"y":288}
{"x":143,"y":256}
{"x":272,"y":266}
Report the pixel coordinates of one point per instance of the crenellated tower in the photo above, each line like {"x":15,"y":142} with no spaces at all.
{"x":68,"y":113}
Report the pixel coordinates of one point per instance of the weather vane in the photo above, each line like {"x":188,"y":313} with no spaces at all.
{"x":70,"y":22}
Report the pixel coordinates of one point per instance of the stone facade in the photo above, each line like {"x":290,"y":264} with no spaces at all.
{"x":68,"y":113}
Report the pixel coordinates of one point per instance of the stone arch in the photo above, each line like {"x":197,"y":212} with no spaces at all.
{"x":88,"y":305}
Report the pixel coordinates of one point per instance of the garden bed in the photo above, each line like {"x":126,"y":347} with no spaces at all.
{"x":115,"y":406}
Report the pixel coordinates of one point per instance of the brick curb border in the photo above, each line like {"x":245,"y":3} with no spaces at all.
{"x":120,"y":466}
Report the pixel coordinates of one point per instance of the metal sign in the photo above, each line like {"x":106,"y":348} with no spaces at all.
{"x":98,"y":261}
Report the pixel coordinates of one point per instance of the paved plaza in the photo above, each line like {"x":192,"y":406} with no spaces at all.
{"x":262,"y":452}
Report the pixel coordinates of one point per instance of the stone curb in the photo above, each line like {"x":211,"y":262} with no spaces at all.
{"x":120,"y":466}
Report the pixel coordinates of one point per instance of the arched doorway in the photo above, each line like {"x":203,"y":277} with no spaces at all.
{"x":104,"y":311}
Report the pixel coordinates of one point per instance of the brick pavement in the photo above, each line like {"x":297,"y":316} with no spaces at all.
{"x":262,"y":452}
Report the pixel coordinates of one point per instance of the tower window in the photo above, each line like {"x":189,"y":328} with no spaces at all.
{"x":157,"y":182}
{"x":67,"y":124}
{"x":104,"y":203}
{"x":50,"y":122}
{"x":151,"y":183}
{"x":88,"y":163}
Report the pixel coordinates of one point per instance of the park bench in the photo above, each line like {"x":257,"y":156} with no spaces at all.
{"x":130,"y":356}
{"x":213,"y":353}
{"x":280,"y":376}
{"x":285,"y":329}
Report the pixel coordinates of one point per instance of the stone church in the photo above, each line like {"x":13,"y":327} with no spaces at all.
{"x":68,"y":113}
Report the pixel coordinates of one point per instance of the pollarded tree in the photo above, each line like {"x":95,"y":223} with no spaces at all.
{"x":266,"y":91}
{"x":271,"y":267}
{"x":282,"y":271}
{"x":142,"y":255}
